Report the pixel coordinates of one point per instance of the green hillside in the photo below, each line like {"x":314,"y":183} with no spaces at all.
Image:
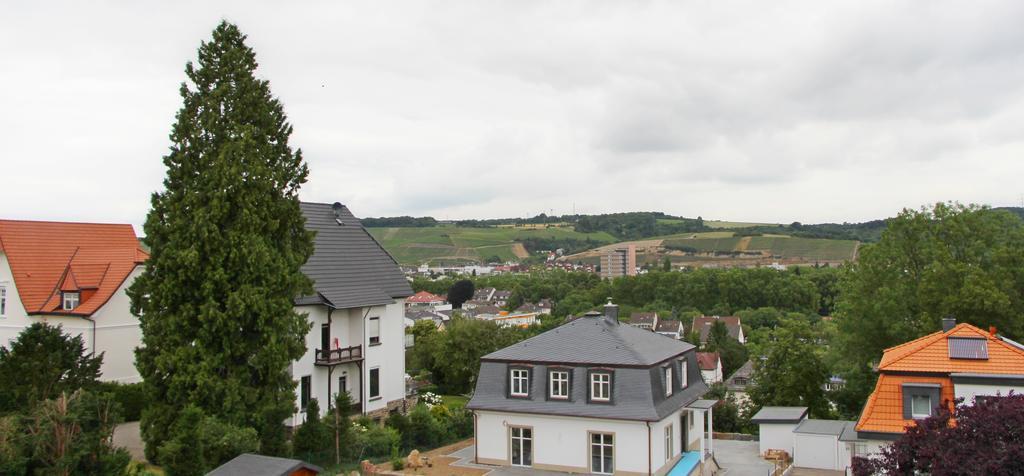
{"x":455,"y":244}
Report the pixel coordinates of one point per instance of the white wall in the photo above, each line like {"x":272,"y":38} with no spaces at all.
{"x":817,"y":451}
{"x":776,"y":436}
{"x":349,"y":326}
{"x":117,"y":330}
{"x":968,"y":391}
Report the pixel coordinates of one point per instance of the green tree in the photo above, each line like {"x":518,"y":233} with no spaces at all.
{"x":950,"y":259}
{"x":666,"y":265}
{"x":227,"y":241}
{"x":71,"y":434}
{"x":730,"y":350}
{"x":40,"y":364}
{"x":792,"y":372}
{"x":457,"y":351}
{"x":312,"y":436}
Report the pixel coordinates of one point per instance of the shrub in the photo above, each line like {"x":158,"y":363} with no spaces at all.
{"x":13,"y":459}
{"x":131,"y":396}
{"x":397,"y":463}
{"x":461,"y":423}
{"x":427,"y":432}
{"x":430,"y":398}
{"x":313,"y":435}
{"x":401,"y":424}
{"x":201,"y":443}
{"x":378,"y":441}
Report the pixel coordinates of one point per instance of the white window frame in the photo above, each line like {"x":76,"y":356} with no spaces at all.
{"x":601,"y":386}
{"x":558,"y":379}
{"x":913,"y":406}
{"x":373,"y":330}
{"x":72,"y":298}
{"x":670,"y":447}
{"x":668,"y":380}
{"x":683,"y":373}
{"x":604,"y":449}
{"x":519,"y":382}
{"x":523,"y":438}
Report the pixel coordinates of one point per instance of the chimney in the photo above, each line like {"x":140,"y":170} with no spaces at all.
{"x":611,"y":311}
{"x":948,"y":323}
{"x":992,"y":331}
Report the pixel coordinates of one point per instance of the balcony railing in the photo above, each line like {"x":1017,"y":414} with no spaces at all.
{"x":339,"y":356}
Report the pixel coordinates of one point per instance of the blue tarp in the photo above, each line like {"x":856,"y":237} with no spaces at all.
{"x":685,"y":465}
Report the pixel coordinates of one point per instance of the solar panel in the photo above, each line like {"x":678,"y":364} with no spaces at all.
{"x":968,"y":348}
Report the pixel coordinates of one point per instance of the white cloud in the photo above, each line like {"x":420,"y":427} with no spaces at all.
{"x":767,"y":111}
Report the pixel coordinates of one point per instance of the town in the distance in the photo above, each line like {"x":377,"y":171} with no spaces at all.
{"x":245,"y":331}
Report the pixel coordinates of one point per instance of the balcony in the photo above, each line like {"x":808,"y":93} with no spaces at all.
{"x":342,"y":355}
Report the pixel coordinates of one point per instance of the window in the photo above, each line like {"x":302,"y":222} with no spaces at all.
{"x":601,"y":386}
{"x":70,"y":301}
{"x":520,"y":383}
{"x":683,"y":372}
{"x":375,"y":383}
{"x":921,"y":406}
{"x":304,"y":391}
{"x":374,"y":331}
{"x":3,"y":301}
{"x":558,"y":384}
{"x":601,"y":453}
{"x":522,"y":446}
{"x":669,"y":444}
{"x":668,"y":381}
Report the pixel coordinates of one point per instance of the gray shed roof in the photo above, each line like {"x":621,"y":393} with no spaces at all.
{"x":248,"y":464}
{"x":594,"y":340}
{"x":823,"y":427}
{"x":779,"y":415}
{"x":349,"y":268}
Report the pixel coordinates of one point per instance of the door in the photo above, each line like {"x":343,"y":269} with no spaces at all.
{"x":343,"y":384}
{"x":325,"y":337}
{"x":522,"y":446}
{"x":684,"y":435}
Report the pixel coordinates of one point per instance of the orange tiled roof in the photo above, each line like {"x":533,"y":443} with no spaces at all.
{"x":931,"y":354}
{"x":424,"y":296}
{"x":707,"y":360}
{"x":49,"y":257}
{"x":884,"y":410}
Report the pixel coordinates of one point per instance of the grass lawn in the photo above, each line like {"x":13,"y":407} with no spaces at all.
{"x":454,"y":401}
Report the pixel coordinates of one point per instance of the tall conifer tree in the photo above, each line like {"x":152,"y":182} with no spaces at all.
{"x":227,"y":241}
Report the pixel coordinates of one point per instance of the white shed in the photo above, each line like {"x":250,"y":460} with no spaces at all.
{"x":776,"y":426}
{"x":818,"y":444}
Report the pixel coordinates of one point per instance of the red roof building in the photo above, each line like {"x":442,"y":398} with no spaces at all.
{"x":424,"y":297}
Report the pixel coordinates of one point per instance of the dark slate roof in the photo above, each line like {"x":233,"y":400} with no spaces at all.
{"x":594,"y":340}
{"x":248,"y":464}
{"x":637,"y":393}
{"x":668,"y":325}
{"x":746,"y":371}
{"x":823,"y":427}
{"x":779,"y":415}
{"x":703,"y":325}
{"x":349,"y":267}
{"x":642,"y":317}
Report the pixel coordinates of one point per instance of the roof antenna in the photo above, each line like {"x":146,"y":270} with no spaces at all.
{"x":337,"y":212}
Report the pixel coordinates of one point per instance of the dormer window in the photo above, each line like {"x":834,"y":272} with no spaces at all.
{"x":683,"y":374}
{"x":519,"y":382}
{"x":920,"y":406}
{"x":668,"y":381}
{"x":600,"y":387}
{"x":70,"y":301}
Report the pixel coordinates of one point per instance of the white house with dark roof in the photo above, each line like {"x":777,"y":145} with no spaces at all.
{"x":593,"y":396}
{"x":357,"y":339}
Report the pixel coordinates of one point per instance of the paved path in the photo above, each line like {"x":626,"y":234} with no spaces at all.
{"x":814,"y":472}
{"x":740,"y":458}
{"x":129,"y":436}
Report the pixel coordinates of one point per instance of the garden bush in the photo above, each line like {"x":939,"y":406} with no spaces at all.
{"x":427,"y":431}
{"x":378,"y":441}
{"x":131,"y":396}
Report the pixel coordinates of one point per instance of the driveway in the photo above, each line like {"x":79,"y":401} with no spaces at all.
{"x":128,"y":436}
{"x":740,"y":458}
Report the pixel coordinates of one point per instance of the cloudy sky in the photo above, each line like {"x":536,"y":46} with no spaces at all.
{"x":759,"y":111}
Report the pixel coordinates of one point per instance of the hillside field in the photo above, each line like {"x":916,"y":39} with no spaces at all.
{"x":453,"y":244}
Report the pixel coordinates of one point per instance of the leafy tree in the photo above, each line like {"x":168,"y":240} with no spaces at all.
{"x":42,"y":363}
{"x":460,"y":292}
{"x":792,"y":372}
{"x":71,"y":434}
{"x":666,"y":265}
{"x":227,"y":241}
{"x":984,"y":438}
{"x":457,"y":351}
{"x":341,"y":426}
{"x":312,"y":436}
{"x":950,"y":259}
{"x":730,"y":350}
